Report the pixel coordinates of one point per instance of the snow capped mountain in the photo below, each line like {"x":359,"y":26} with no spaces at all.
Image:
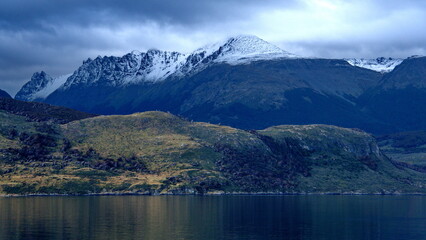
{"x":243,"y":49}
{"x":380,"y":64}
{"x":51,"y":86}
{"x":40,"y":86}
{"x":156,"y":65}
{"x":153,"y":66}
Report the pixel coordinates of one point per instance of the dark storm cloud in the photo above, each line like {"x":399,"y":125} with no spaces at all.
{"x":35,"y":14}
{"x":56,"y":36}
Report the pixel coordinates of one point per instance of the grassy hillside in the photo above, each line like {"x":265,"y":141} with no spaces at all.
{"x":346,"y":159}
{"x":156,"y":152}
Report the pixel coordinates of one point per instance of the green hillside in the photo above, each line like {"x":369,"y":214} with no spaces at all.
{"x":157,"y":152}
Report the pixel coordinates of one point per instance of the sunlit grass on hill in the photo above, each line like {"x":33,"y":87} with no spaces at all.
{"x":157,"y":152}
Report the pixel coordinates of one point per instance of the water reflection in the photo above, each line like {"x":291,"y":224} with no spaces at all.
{"x":214,"y":217}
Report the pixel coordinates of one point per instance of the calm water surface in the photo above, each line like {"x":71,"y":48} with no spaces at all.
{"x":214,"y":217}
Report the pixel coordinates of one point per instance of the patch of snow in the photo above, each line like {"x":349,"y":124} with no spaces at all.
{"x":163,"y":65}
{"x":381,"y":64}
{"x":235,"y":50}
{"x":244,"y":49}
{"x":51,"y":87}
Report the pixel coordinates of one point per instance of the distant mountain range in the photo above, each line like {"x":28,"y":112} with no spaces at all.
{"x":152,"y":66}
{"x":248,"y":83}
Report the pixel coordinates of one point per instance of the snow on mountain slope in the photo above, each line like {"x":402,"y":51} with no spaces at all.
{"x":381,"y":64}
{"x":38,"y":82}
{"x":51,"y":86}
{"x":152,"y":66}
{"x":243,"y":49}
{"x":40,"y":86}
{"x":160,"y":65}
{"x":155,"y":65}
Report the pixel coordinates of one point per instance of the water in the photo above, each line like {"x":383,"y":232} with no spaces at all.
{"x":214,"y":217}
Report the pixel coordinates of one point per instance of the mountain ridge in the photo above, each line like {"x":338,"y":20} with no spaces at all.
{"x":156,"y":65}
{"x":243,"y":82}
{"x":246,"y":96}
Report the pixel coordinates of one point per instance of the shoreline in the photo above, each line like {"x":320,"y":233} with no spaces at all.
{"x":210,"y":194}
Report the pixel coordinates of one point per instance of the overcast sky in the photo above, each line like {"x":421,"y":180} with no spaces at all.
{"x":56,"y":36}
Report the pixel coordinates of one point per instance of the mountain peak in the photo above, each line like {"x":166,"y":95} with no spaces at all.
{"x":40,"y":86}
{"x":40,"y":76}
{"x":250,"y":44}
{"x":135,"y":52}
{"x":242,"y":49}
{"x":38,"y":81}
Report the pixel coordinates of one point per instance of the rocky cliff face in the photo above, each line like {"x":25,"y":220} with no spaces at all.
{"x":38,"y":82}
{"x":132,"y":68}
